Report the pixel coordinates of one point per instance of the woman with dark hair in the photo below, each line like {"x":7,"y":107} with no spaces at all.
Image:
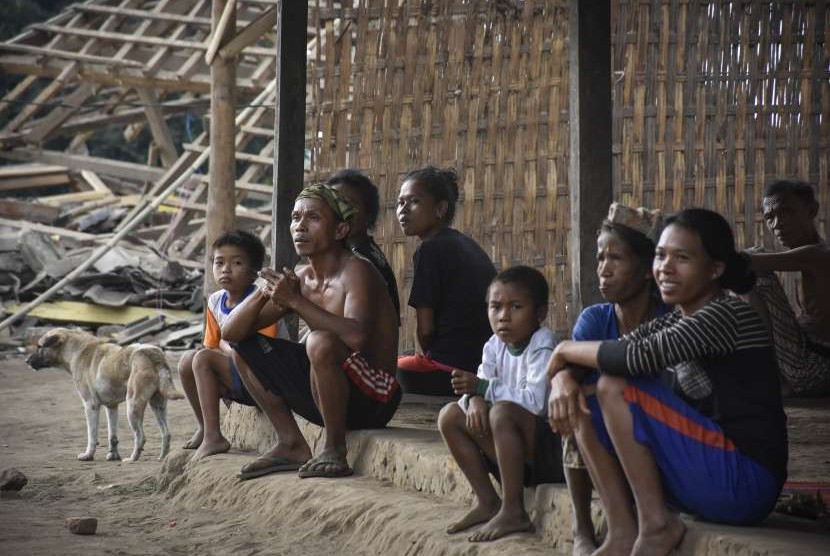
{"x":449,"y":287}
{"x":714,"y":443}
{"x":625,"y":252}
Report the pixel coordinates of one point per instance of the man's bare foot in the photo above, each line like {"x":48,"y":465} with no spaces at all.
{"x":618,"y":545}
{"x":584,"y":545}
{"x":661,"y":541}
{"x":195,"y":440}
{"x":481,"y":513}
{"x":210,"y":448}
{"x":501,"y":525}
{"x":300,"y":453}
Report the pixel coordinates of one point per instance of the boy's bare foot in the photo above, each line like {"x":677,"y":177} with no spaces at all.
{"x":662,"y":541}
{"x":481,"y":513}
{"x":584,"y":545}
{"x":501,"y":525}
{"x":619,"y":545}
{"x":300,"y":453}
{"x":195,"y":440}
{"x":210,"y":448}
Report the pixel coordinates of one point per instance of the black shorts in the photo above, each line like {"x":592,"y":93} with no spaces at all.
{"x":547,"y":458}
{"x":283,"y":368}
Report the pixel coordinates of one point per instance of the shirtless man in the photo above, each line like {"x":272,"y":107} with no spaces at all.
{"x":802,"y":343}
{"x":340,"y":377}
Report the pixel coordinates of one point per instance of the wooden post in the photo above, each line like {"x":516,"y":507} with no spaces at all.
{"x":221,"y":200}
{"x":289,"y":130}
{"x":289,"y":125}
{"x":589,"y":174}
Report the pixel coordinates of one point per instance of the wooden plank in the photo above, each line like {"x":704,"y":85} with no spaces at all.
{"x":127,"y":170}
{"x":92,"y":179}
{"x":77,"y":197}
{"x":33,"y":212}
{"x":21,"y":170}
{"x":221,"y":196}
{"x":144,"y":14}
{"x":289,"y":125}
{"x":34,"y":182}
{"x":42,"y":97}
{"x":53,"y":230}
{"x":249,"y":35}
{"x":589,"y":174}
{"x":89,"y":313}
{"x":158,"y":126}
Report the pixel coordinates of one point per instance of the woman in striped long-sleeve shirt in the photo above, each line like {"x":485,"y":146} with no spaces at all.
{"x":713,"y":443}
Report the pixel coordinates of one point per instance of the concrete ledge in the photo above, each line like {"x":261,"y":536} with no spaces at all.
{"x":416,"y":460}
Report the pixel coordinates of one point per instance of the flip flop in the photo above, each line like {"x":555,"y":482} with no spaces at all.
{"x":314,"y":466}
{"x":264,"y":465}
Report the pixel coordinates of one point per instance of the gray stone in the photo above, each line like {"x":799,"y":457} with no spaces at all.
{"x":82,"y":525}
{"x":12,"y":479}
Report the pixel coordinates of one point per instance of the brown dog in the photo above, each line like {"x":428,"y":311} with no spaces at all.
{"x":106,"y":374}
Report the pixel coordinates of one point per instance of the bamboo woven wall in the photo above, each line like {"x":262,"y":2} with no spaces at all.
{"x":713,"y":100}
{"x":452,"y":83}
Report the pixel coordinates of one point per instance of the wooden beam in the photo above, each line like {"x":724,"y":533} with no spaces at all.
{"x":144,"y":14}
{"x":19,"y":89}
{"x":127,"y":170}
{"x":33,"y":212}
{"x":133,"y":39}
{"x":221,"y":195}
{"x":97,"y":121}
{"x":69,"y":106}
{"x":52,"y":230}
{"x":589,"y":172}
{"x":42,"y":97}
{"x":289,"y":125}
{"x":249,"y":35}
{"x":158,"y":126}
{"x":51,"y":52}
{"x":219,"y":32}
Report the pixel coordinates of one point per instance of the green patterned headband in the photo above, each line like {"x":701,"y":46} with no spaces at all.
{"x":342,"y":208}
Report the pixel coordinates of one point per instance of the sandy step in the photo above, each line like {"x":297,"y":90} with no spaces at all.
{"x":416,"y":460}
{"x":363,"y":515}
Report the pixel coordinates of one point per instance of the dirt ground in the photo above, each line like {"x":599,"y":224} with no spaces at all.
{"x":42,"y":430}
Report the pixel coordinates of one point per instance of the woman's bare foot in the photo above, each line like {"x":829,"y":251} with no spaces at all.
{"x":195,"y":440}
{"x":481,"y":513}
{"x":660,"y":541}
{"x":584,"y":545}
{"x":212,"y":447}
{"x":501,"y":525}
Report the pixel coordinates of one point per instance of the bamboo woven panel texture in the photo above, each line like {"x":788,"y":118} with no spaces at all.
{"x":714,"y":100}
{"x":478,"y":86}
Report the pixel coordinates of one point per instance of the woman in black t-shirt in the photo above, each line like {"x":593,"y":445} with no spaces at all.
{"x":449,"y":287}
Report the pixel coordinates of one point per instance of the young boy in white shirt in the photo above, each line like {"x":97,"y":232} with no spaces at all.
{"x":499,"y":423}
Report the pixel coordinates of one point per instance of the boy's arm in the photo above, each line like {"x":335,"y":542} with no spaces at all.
{"x":808,"y":257}
{"x":255,"y":312}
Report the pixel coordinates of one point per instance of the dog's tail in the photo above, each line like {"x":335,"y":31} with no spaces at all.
{"x":166,"y":385}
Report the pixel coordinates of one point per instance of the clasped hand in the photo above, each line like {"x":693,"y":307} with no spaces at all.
{"x":565,"y":403}
{"x":282,"y":288}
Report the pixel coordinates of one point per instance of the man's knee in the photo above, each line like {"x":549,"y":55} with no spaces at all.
{"x":610,"y":388}
{"x":450,"y":416}
{"x":323,"y":348}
